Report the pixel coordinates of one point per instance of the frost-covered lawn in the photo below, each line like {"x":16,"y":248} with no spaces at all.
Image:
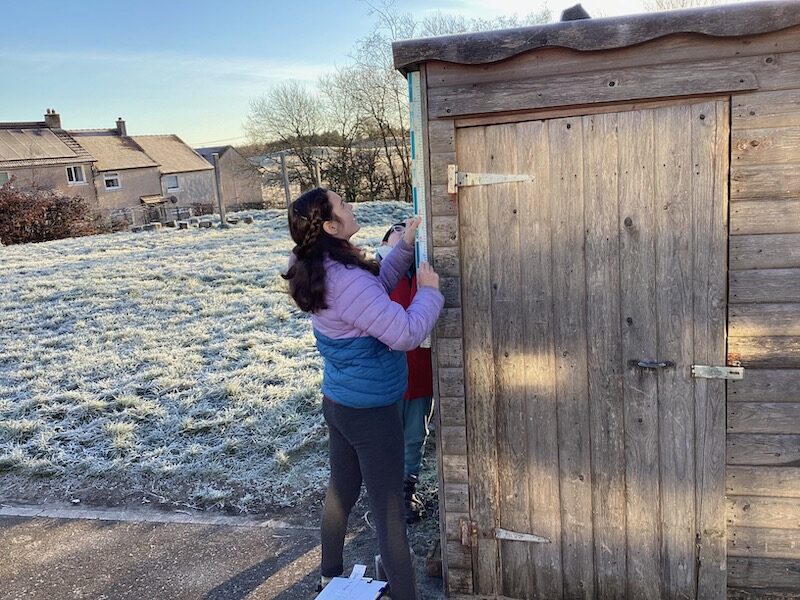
{"x":169,"y":365}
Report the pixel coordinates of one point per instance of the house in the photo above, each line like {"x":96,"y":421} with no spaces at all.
{"x":141,"y":178}
{"x":186,"y":177}
{"x":614,"y":211}
{"x":125,"y":177}
{"x":239,"y":179}
{"x":42,"y":154}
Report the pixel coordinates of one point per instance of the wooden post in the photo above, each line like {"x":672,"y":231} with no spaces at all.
{"x":223,"y":222}
{"x":317,"y":177}
{"x":285,"y":174}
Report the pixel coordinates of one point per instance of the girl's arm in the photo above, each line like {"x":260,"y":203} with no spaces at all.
{"x":367,"y":307}
{"x":396,"y":264}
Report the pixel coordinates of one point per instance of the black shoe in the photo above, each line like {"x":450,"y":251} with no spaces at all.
{"x":414,"y":507}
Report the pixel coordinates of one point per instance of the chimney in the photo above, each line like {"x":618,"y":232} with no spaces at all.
{"x":52,"y":119}
{"x":121,"y":129}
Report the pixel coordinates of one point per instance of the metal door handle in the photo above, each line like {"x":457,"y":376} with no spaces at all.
{"x":655,"y":364}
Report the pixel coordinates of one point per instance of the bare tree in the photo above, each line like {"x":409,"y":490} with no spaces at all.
{"x":295,"y":116}
{"x":382,"y":92}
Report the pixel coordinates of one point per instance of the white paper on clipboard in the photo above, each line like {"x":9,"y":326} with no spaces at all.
{"x":355,"y":587}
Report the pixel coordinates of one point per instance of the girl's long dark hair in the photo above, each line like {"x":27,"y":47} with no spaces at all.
{"x":306,"y":276}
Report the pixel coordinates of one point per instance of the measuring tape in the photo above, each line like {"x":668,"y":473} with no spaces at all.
{"x":418,"y":172}
{"x":418,"y":164}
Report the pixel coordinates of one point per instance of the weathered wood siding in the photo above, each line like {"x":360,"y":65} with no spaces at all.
{"x":763,"y":449}
{"x":763,"y":471}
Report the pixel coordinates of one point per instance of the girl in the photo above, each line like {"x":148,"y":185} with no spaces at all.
{"x":362,"y":336}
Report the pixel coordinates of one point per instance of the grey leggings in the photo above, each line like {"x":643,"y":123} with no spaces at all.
{"x":367,"y":444}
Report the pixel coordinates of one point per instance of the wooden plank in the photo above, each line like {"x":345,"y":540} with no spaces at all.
{"x":442,"y":202}
{"x":569,"y":332}
{"x":679,"y":48}
{"x":766,"y":385}
{"x":442,"y":136}
{"x":438,"y":162}
{"x":459,"y":557}
{"x":765,"y":216}
{"x":508,"y":345}
{"x":763,"y":449}
{"x":451,"y":290}
{"x":542,"y":470}
{"x":674,"y":296}
{"x":445,"y":230}
{"x":765,"y":352}
{"x":776,"y":251}
{"x":456,"y":497}
{"x":763,"y":542}
{"x":765,"y":181}
{"x":776,"y":145}
{"x":637,"y":310}
{"x":451,"y":381}
{"x":453,"y":440}
{"x":757,"y":320}
{"x":451,"y":411}
{"x":450,"y":352}
{"x":765,"y":285}
{"x":763,"y":481}
{"x":710,"y":137}
{"x":454,"y":468}
{"x":618,"y":85}
{"x":575,"y":110}
{"x":759,"y":511}
{"x":780,"y":573}
{"x":765,"y":109}
{"x":783,"y":74}
{"x":764,"y":417}
{"x":761,"y":594}
{"x":606,"y":413}
{"x":478,"y":359}
{"x":459,"y":581}
{"x":449,"y":324}
{"x":446,"y":261}
{"x":453,"y":525}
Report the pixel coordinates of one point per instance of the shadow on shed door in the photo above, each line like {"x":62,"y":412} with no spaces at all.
{"x":615,"y":254}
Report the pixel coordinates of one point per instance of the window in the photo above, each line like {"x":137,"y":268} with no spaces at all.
{"x":172,"y":183}
{"x":75,"y":175}
{"x":112,"y":181}
{"x":4,"y":177}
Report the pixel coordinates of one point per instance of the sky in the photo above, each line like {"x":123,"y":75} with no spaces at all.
{"x":192,"y":67}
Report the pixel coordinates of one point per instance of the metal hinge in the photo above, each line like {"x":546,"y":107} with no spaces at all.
{"x":706,"y":372}
{"x":457,"y":179}
{"x":470,"y":534}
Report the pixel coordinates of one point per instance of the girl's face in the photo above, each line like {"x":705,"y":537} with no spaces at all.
{"x":346,"y":225}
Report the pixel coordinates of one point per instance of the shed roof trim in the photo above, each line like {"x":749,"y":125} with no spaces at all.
{"x":598,"y":34}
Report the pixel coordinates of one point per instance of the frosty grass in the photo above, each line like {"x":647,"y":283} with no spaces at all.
{"x":169,"y":364}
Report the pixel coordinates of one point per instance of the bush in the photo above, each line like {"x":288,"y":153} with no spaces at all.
{"x":39,"y":215}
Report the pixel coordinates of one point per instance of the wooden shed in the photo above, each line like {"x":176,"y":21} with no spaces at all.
{"x":614,"y":208}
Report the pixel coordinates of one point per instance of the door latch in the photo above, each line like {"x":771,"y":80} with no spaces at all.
{"x":707,"y":372}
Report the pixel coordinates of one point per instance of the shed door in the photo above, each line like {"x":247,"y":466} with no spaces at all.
{"x":615,"y":254}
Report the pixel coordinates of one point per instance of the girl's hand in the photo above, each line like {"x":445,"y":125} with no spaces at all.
{"x":427,"y":277}
{"x":411,"y":230}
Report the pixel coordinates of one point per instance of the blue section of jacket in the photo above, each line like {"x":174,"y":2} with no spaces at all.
{"x":362,"y":372}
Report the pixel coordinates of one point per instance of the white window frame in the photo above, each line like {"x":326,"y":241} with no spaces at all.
{"x":7,"y":179}
{"x":177,"y":187}
{"x":75,"y":181}
{"x":112,"y":176}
